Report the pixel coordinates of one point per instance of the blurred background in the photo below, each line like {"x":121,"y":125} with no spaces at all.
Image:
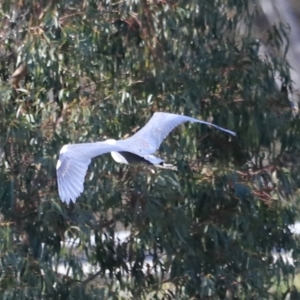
{"x":285,"y":14}
{"x":225,"y":225}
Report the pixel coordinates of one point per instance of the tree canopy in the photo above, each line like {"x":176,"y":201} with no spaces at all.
{"x":83,"y":71}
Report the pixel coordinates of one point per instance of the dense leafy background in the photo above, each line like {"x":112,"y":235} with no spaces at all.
{"x":79,"y":71}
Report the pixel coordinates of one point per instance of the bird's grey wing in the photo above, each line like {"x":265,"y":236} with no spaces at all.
{"x":72,"y":166}
{"x":148,"y":139}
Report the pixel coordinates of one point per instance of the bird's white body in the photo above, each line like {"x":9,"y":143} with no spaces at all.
{"x":74,"y":159}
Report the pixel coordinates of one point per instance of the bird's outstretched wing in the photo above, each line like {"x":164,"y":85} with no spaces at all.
{"x":75,"y":159}
{"x":148,"y":139}
{"x":72,"y":165}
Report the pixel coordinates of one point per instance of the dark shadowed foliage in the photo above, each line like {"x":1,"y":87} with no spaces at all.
{"x":81,"y":71}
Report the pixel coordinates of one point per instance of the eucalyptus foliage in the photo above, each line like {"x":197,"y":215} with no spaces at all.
{"x":80,"y":71}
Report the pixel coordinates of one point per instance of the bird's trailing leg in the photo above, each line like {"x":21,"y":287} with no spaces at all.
{"x":159,"y":163}
{"x":166,"y":166}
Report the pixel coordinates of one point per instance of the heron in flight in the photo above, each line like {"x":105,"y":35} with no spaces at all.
{"x":74,"y":159}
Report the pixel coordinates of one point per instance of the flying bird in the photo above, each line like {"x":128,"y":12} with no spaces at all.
{"x":74,"y":159}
